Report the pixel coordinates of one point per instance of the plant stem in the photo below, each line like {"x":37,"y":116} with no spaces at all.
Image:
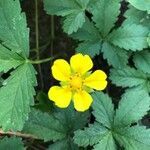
{"x":40,"y":61}
{"x":19,"y":134}
{"x":37,"y":41}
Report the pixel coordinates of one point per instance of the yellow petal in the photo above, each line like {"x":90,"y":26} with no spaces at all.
{"x":61,"y":70}
{"x":80,"y":63}
{"x":82,"y":101}
{"x":61,"y":96}
{"x":97,"y":80}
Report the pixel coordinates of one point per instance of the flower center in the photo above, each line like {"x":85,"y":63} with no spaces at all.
{"x":76,"y":82}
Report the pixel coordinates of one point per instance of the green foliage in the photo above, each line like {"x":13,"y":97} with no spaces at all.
{"x":110,"y":127}
{"x":57,"y":126}
{"x":128,"y":38}
{"x":14,"y":33}
{"x":73,"y":10}
{"x":105,"y":13}
{"x":17,"y":91}
{"x":130,"y":77}
{"x":11,"y":143}
{"x":141,"y":4}
{"x":16,"y":97}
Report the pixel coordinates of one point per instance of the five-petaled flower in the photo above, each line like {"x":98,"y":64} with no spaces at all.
{"x":76,"y":82}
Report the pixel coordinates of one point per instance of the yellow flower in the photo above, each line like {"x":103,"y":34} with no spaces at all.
{"x":76,"y":82}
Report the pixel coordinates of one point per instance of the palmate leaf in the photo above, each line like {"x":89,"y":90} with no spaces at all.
{"x":13,"y":28}
{"x":115,"y":56}
{"x":11,"y":143}
{"x":133,"y":106}
{"x":142,"y":61}
{"x":16,"y":96}
{"x":59,"y":125}
{"x":105,"y":13}
{"x":128,"y":38}
{"x":9,"y":59}
{"x":141,"y":4}
{"x":73,"y":10}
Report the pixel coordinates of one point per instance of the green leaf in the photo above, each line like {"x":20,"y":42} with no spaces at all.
{"x":9,"y":59}
{"x":73,"y":10}
{"x":105,"y":13}
{"x":88,"y":32}
{"x":115,"y":56}
{"x":13,"y":28}
{"x":107,"y":143}
{"x":90,"y":48}
{"x":128,"y":77}
{"x":44,"y":126}
{"x":16,"y":96}
{"x":91,"y":135}
{"x":142,"y":61}
{"x":133,"y":106}
{"x":11,"y":143}
{"x":43,"y":102}
{"x":60,"y":7}
{"x":128,"y":38}
{"x":103,"y":109}
{"x":141,"y":4}
{"x":54,"y":126}
{"x":136,"y":16}
{"x":133,"y":138}
{"x":63,"y":145}
{"x":73,"y":22}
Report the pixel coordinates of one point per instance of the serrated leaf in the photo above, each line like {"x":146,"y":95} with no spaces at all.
{"x":44,"y":126}
{"x":115,"y":56}
{"x":128,"y":38}
{"x":13,"y":27}
{"x":133,"y":106}
{"x":90,"y":136}
{"x":136,"y":16}
{"x":73,"y":22}
{"x":103,"y":109}
{"x":55,"y":126}
{"x":90,"y":48}
{"x":141,"y":4}
{"x":128,"y":77}
{"x":105,"y":13}
{"x":134,"y":138}
{"x":11,"y":143}
{"x":60,"y":7}
{"x":73,"y":10}
{"x":107,"y":143}
{"x":9,"y":59}
{"x":16,"y":96}
{"x":63,"y":145}
{"x":88,"y":32}
{"x":142,"y":61}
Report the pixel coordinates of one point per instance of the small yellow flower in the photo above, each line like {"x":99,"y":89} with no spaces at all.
{"x":76,"y":82}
